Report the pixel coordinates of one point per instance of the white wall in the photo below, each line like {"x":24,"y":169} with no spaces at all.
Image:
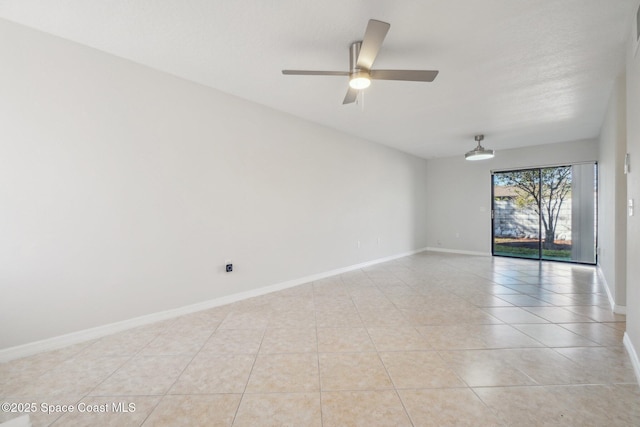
{"x":123,"y":190}
{"x":459,"y":210}
{"x":633,"y":192}
{"x":612,"y":183}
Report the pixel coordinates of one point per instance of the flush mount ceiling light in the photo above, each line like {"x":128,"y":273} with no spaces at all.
{"x":479,"y":153}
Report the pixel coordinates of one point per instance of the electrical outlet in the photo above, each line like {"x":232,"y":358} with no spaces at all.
{"x":229,"y":268}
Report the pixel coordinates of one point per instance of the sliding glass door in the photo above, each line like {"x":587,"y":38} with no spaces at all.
{"x":546,"y":213}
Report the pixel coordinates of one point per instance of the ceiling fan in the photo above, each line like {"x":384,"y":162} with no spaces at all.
{"x":361,"y":57}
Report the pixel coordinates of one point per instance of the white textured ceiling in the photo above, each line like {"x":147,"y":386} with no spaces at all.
{"x":523,"y":72}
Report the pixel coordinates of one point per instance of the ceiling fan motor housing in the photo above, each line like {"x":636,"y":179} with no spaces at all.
{"x":358,"y":77}
{"x":354,"y":51}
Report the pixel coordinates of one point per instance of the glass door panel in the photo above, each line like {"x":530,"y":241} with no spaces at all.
{"x":556,"y":213}
{"x":546,"y":213}
{"x":516,"y":224}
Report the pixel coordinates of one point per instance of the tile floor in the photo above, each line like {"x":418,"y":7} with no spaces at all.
{"x":430,"y":339}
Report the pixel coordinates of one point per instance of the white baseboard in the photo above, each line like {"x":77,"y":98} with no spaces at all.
{"x":60,"y":341}
{"x":633,"y":355}
{"x":618,"y":309}
{"x":456,"y":251}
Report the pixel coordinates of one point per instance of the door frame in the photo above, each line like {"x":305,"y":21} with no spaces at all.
{"x":539,"y":168}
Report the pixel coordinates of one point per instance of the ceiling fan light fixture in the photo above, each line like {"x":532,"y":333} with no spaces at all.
{"x":360,"y":80}
{"x":479,"y":153}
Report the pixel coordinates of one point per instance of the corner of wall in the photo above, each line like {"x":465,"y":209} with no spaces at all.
{"x":633,"y":355}
{"x":616,"y":308}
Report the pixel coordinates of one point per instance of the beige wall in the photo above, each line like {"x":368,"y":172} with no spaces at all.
{"x":633,"y":192}
{"x":459,"y":212}
{"x":612,"y":196}
{"x":124,"y":190}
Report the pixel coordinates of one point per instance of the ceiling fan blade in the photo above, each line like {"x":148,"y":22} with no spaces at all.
{"x":351,"y":96}
{"x":315,"y":73}
{"x":373,"y":37}
{"x":409,"y":75}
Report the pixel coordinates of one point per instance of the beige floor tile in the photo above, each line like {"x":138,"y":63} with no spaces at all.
{"x":331,"y":287}
{"x":524,"y":301}
{"x":487,"y":300}
{"x":598,"y":314}
{"x":560,"y":288}
{"x":109,"y":411}
{"x":514,"y":315}
{"x":527,"y":289}
{"x":76,"y":376}
{"x":409,"y":301}
{"x":279,"y":303}
{"x":620,"y":401}
{"x":472,"y":315}
{"x":169,"y":344}
{"x":383,"y":317}
{"x":143,"y":375}
{"x":485,"y":368}
{"x":279,"y":409}
{"x":557,"y":314}
{"x":338,"y":319}
{"x":424,"y":317}
{"x":293,"y":319}
{"x":419,"y":369}
{"x":234,"y":341}
{"x":191,"y":326}
{"x":600,"y":300}
{"x":245,"y":320}
{"x":334,"y":303}
{"x":152,"y":329}
{"x":621,"y":326}
{"x":444,"y":313}
{"x":468,"y":337}
{"x":575,"y":405}
{"x":215,"y":373}
{"x":397,"y":288}
{"x":305,"y":290}
{"x":403,"y":338}
{"x":121,"y":344}
{"x":353,"y":371}
{"x":289,"y":340}
{"x":523,"y":406}
{"x":287,"y":373}
{"x":498,"y":290}
{"x":363,"y":409}
{"x":555,"y":299}
{"x":344,"y":340}
{"x":602,"y":365}
{"x":18,"y":373}
{"x":597,"y":332}
{"x":544,"y":365}
{"x":209,"y":410}
{"x":447,"y":407}
{"x":554,"y":335}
